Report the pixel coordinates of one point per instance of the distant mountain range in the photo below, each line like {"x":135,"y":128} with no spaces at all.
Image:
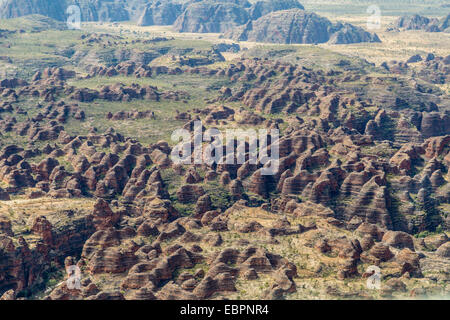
{"x":418,"y":22}
{"x":278,"y":21}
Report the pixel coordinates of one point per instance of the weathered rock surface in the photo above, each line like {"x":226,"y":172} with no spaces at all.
{"x":208,"y":16}
{"x":418,"y":22}
{"x":160,"y":13}
{"x":261,"y":8}
{"x":299,"y":26}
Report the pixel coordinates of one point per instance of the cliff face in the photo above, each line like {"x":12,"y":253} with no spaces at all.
{"x":299,"y":26}
{"x":18,"y":8}
{"x":348,"y":33}
{"x":418,"y":22}
{"x":101,"y":10}
{"x":204,"y":17}
{"x":288,"y":26}
{"x":261,"y":8}
{"x":160,"y":13}
{"x":91,"y":10}
{"x":445,"y":24}
{"x":415,"y":22}
{"x":27,"y":254}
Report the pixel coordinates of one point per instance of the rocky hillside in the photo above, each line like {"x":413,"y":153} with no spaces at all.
{"x":103,"y":10}
{"x":18,"y":8}
{"x":418,"y":22}
{"x":299,"y":26}
{"x":160,"y":13}
{"x":154,"y":12}
{"x":240,"y":19}
{"x":361,"y":182}
{"x":347,"y":33}
{"x":88,"y":179}
{"x":91,"y":10}
{"x":210,"y":16}
{"x":261,"y":8}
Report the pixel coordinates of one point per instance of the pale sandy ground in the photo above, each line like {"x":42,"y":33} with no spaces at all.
{"x":394,"y":46}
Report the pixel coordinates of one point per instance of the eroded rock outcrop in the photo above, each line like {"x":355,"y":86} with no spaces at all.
{"x":209,"y":16}
{"x":299,"y":26}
